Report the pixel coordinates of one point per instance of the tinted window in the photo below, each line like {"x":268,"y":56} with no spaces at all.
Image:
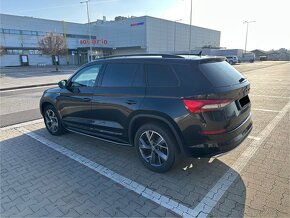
{"x":86,"y":77}
{"x":161,"y":75}
{"x":119,"y":75}
{"x":220,"y":73}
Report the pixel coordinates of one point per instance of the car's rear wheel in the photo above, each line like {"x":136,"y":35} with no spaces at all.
{"x":155,"y":147}
{"x":52,"y":121}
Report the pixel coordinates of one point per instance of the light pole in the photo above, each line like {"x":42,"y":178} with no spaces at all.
{"x":247,"y":22}
{"x":189,"y":44}
{"x":175,"y":33}
{"x":89,"y":26}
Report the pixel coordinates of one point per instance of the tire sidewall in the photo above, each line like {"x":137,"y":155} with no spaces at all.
{"x":170,"y":141}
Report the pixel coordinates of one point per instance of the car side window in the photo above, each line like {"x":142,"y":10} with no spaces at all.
{"x":161,"y":75}
{"x":121,"y":75}
{"x":86,"y":77}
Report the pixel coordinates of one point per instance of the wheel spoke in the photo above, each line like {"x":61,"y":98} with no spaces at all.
{"x":149,"y":136}
{"x":153,"y":158}
{"x":163,"y":147}
{"x":143,"y":144}
{"x":161,"y":154}
{"x":159,"y":159}
{"x":48,"y":114}
{"x":160,"y":139}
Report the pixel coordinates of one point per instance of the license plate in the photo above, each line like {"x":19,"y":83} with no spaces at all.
{"x":244,"y":101}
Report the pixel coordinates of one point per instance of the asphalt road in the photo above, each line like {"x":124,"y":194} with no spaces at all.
{"x":20,"y":105}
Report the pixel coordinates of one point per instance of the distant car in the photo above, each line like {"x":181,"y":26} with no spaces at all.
{"x":248,"y":57}
{"x":164,"y":105}
{"x":232,"y":59}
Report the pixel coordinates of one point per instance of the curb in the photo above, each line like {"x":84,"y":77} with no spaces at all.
{"x":29,"y":86}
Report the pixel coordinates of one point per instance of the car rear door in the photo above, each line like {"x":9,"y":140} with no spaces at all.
{"x":119,"y":94}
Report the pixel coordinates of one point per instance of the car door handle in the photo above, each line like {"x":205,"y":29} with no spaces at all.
{"x":130,"y":102}
{"x":86,"y":99}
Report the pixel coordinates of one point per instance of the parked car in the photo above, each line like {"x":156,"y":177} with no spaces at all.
{"x":232,"y":59}
{"x":248,"y":57}
{"x":167,"y":106}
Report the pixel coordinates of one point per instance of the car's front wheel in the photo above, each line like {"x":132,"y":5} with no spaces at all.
{"x":155,"y":147}
{"x":52,"y":121}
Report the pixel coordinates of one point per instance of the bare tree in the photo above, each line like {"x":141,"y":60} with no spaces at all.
{"x":53,"y":45}
{"x":2,"y":50}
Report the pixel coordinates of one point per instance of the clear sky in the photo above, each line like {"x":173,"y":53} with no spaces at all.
{"x":270,"y":31}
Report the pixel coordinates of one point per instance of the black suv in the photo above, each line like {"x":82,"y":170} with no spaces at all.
{"x":164,"y":105}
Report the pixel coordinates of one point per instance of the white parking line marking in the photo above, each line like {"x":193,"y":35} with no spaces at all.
{"x":162,"y":200}
{"x":21,"y":124}
{"x":253,"y":137}
{"x":215,"y":194}
{"x":269,"y":96}
{"x":265,"y":110}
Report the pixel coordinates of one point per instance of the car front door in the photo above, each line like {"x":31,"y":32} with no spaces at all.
{"x":75,"y":102}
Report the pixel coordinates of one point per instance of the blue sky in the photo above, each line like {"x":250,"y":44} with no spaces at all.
{"x":270,"y":31}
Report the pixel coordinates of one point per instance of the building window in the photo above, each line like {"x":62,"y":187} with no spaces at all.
{"x":30,"y":33}
{"x":39,"y":33}
{"x":14,"y":31}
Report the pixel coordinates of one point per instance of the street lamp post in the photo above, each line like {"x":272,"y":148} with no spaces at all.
{"x":189,"y":43}
{"x":175,"y":33}
{"x":247,"y":22}
{"x":89,"y":26}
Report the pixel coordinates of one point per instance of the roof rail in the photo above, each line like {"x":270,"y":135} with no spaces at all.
{"x":142,"y":55}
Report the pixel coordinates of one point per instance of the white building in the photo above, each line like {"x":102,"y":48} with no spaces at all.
{"x":20,"y":36}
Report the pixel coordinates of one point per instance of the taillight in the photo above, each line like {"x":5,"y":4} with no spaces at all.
{"x":198,"y":106}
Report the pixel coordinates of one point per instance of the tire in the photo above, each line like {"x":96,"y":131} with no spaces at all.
{"x":155,"y":147}
{"x":52,"y":121}
{"x":231,"y":62}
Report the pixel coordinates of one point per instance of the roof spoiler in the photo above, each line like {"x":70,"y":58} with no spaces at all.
{"x":198,"y":54}
{"x":212,"y":60}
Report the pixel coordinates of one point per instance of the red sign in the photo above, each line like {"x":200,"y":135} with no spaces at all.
{"x":93,"y":42}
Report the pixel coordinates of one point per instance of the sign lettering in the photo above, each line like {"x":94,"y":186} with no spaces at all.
{"x":94,"y":42}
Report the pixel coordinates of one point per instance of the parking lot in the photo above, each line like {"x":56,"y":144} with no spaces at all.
{"x":73,"y":175}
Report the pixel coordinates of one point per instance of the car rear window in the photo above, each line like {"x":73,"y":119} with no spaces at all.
{"x":220,"y":74}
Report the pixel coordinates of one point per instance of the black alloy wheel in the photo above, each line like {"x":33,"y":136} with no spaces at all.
{"x":52,"y":121}
{"x":155,"y":147}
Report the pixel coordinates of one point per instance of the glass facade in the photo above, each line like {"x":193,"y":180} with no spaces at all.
{"x":40,"y":33}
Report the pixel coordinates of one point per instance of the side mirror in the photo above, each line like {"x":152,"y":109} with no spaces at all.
{"x":63,"y":84}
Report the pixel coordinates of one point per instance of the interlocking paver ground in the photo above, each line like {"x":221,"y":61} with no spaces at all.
{"x":37,"y":181}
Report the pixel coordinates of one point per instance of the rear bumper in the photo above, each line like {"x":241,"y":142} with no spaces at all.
{"x":221,"y":143}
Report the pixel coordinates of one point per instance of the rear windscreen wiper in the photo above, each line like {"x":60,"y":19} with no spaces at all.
{"x":242,"y":79}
